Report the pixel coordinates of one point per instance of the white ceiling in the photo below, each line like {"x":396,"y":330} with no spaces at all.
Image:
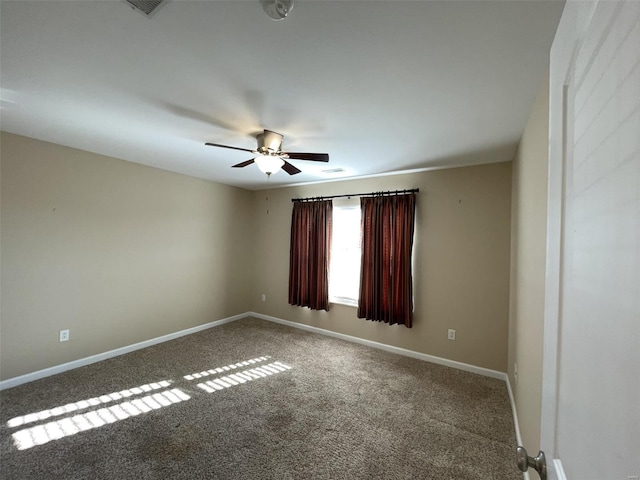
{"x":382,"y":86}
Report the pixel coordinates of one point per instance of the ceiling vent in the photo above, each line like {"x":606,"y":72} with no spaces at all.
{"x":147,"y":7}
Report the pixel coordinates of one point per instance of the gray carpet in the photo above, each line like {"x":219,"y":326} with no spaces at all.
{"x":289,"y":405}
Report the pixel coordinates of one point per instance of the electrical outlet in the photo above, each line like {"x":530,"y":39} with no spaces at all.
{"x":64,"y":335}
{"x":451,"y":334}
{"x":264,"y":297}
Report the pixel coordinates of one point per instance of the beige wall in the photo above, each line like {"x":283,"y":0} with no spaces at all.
{"x":114,"y":251}
{"x":461,"y":275}
{"x":528,"y":258}
{"x":120,"y":253}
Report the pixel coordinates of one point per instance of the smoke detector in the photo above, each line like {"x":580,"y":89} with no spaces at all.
{"x":277,"y":9}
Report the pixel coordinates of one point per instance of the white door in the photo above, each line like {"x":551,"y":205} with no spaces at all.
{"x":591,"y":372}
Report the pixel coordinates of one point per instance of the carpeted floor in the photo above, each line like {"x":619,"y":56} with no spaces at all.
{"x":258,"y":400}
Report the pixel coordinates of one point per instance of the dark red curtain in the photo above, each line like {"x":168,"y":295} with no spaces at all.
{"x":386,"y":284}
{"x":309,"y":255}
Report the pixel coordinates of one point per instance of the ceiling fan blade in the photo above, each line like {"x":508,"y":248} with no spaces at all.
{"x":227,"y":146}
{"x":290,"y":169}
{"x":314,"y":157}
{"x":243,"y":164}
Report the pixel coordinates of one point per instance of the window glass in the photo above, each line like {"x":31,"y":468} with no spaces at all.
{"x":344,"y":269}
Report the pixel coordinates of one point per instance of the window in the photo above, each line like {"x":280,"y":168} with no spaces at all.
{"x":344,"y":269}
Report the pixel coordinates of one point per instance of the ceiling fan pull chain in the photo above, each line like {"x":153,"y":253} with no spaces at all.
{"x":268,"y":191}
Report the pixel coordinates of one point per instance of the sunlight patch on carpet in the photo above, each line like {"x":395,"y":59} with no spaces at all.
{"x":139,"y":400}
{"x":226,"y":368}
{"x":83,"y":404}
{"x":244,"y":376}
{"x":41,"y":434}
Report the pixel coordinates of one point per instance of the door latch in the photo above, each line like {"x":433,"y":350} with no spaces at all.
{"x":539,"y":463}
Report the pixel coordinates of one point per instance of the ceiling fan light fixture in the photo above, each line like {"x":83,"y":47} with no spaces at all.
{"x":269,"y":164}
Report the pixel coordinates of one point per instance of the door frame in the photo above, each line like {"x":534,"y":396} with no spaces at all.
{"x":576,"y":17}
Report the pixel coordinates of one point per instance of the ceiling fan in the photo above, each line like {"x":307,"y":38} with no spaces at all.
{"x":270,"y":158}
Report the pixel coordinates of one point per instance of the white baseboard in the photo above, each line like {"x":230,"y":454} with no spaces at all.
{"x":29,"y":377}
{"x":389,"y":348}
{"x":13,"y":382}
{"x":512,"y":401}
{"x":558,"y":469}
{"x":47,"y":372}
{"x":513,"y":409}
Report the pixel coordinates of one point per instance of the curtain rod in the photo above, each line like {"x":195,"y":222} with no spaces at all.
{"x":369,"y":194}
